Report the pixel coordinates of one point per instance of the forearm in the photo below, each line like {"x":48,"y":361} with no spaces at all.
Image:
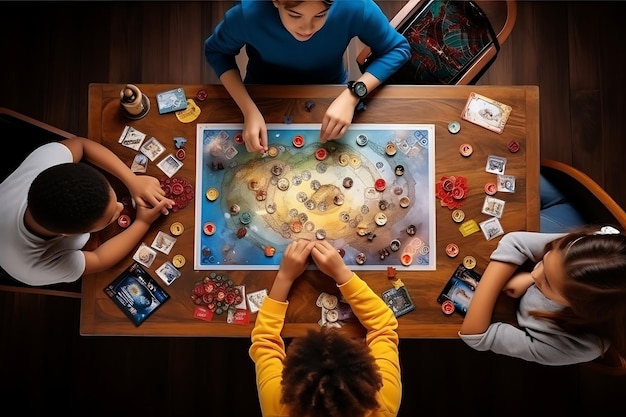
{"x":115,"y":249}
{"x":281,"y":287}
{"x":231,"y":80}
{"x":480,"y":310}
{"x":104,"y":158}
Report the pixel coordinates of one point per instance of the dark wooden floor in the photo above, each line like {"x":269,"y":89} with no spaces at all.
{"x":52,"y":51}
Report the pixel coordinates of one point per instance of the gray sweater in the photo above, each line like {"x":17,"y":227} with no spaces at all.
{"x":535,"y":340}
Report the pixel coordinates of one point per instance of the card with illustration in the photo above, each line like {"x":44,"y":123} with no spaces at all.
{"x":168,"y":272}
{"x":486,"y":112}
{"x":460,"y":289}
{"x":145,"y":255}
{"x":170,"y":165}
{"x":132,"y":138}
{"x":152,"y":148}
{"x":171,"y":101}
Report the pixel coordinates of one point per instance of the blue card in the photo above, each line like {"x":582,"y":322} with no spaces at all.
{"x":171,"y":101}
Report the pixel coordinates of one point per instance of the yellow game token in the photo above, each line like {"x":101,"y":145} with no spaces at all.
{"x":272,"y":151}
{"x":178,"y":261}
{"x":212,"y":194}
{"x":177,"y":228}
{"x":458,"y":215}
{"x":469,"y":262}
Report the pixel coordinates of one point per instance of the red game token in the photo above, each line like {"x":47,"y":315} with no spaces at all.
{"x":298,"y":141}
{"x":452,"y":250}
{"x":177,"y":189}
{"x":202,"y":95}
{"x":380,"y":184}
{"x":209,"y":228}
{"x":238,"y":138}
{"x":321,"y":154}
{"x":513,"y":146}
{"x":180,"y":154}
{"x":490,"y":188}
{"x":447,"y":307}
{"x":123,"y":221}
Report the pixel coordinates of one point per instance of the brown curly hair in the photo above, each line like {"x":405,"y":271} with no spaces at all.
{"x":328,"y":374}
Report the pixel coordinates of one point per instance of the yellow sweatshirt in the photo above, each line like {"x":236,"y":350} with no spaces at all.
{"x":268,"y":348}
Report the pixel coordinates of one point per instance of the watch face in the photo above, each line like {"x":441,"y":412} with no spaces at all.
{"x":360,"y":89}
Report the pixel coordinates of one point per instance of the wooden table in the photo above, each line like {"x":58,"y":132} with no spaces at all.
{"x":392,"y":104}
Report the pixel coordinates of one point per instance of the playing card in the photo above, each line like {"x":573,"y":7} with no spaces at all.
{"x":398,"y":300}
{"x":171,"y":101}
{"x":486,"y":112}
{"x":170,"y":165}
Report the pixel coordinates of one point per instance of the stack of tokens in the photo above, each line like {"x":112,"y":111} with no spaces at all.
{"x":217,"y":293}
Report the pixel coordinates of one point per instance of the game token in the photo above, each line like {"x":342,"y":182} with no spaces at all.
{"x":242,"y":232}
{"x":177,"y":228}
{"x":178,"y":261}
{"x":490,"y":188}
{"x":513,"y":146}
{"x":394,"y":245}
{"x":269,"y":251}
{"x":469,"y":262}
{"x":238,"y":138}
{"x":320,"y":234}
{"x":405,"y":201}
{"x":177,"y":188}
{"x":458,"y":215}
{"x":179,"y":142}
{"x":180,"y":154}
{"x":234,"y":209}
{"x":447,"y":307}
{"x":123,"y":221}
{"x":209,"y":228}
{"x":406,"y":259}
{"x":466,"y":149}
{"x":332,"y":316}
{"x":245,"y":218}
{"x":399,"y":171}
{"x":343,"y":159}
{"x":272,"y":151}
{"x":329,"y":301}
{"x":391,"y":149}
{"x":212,"y":194}
{"x":361,"y":140}
{"x":380,"y":219}
{"x":452,"y":250}
{"x":454,"y":127}
{"x":298,"y":141}
{"x":321,"y":154}
{"x":380,"y":185}
{"x":348,"y":182}
{"x":202,"y":95}
{"x":360,"y":258}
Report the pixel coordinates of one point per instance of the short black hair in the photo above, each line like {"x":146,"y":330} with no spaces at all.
{"x":69,"y":198}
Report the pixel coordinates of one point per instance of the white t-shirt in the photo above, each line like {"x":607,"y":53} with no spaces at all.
{"x":24,"y":256}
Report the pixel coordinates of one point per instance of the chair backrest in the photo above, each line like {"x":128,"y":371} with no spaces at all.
{"x":24,"y":134}
{"x":593,"y":203}
{"x":452,"y":42}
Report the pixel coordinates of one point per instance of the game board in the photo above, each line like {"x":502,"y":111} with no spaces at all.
{"x":370,"y":194}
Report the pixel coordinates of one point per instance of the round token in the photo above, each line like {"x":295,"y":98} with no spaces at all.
{"x":272,"y":151}
{"x":298,"y":141}
{"x":245,"y":218}
{"x":347,"y":182}
{"x":123,"y":220}
{"x":391,"y":149}
{"x":177,"y":228}
{"x":380,"y":184}
{"x":202,"y":95}
{"x":447,"y":307}
{"x":469,"y":262}
{"x":454,"y":127}
{"x":238,"y":138}
{"x":360,"y":258}
{"x":490,"y":188}
{"x":321,"y":154}
{"x":329,"y":301}
{"x":513,"y":146}
{"x":466,"y":149}
{"x":180,"y":154}
{"x":343,"y":159}
{"x":452,"y":250}
{"x":404,"y":201}
{"x":178,"y":188}
{"x":361,"y":140}
{"x":332,"y":316}
{"x":320,"y":234}
{"x":178,"y":261}
{"x":406,"y":259}
{"x":381,"y":219}
{"x":209,"y":228}
{"x":212,"y":194}
{"x":399,"y":171}
{"x":283,"y":184}
{"x":458,"y":215}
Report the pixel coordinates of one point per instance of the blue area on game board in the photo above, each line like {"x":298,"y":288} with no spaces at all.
{"x":370,"y":193}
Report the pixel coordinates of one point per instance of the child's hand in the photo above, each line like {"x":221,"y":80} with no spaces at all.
{"x":147,"y":192}
{"x":518,"y":284}
{"x":295,"y":260}
{"x":338,"y":117}
{"x":328,"y":260}
{"x":149,"y":214}
{"x":255,"y":132}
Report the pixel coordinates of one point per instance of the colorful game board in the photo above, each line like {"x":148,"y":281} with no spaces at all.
{"x":370,"y":193}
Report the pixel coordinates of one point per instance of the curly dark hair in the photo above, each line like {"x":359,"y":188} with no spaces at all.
{"x":328,"y":374}
{"x":69,"y":198}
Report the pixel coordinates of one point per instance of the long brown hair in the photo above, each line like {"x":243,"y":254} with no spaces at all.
{"x":595,"y":264}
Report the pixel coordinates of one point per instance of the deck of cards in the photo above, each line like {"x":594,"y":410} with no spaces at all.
{"x":486,"y":112}
{"x":171,"y":101}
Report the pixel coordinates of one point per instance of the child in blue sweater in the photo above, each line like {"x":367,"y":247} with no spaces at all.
{"x":302,"y":42}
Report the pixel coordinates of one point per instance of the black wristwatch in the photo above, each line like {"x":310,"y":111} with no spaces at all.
{"x":359,"y":89}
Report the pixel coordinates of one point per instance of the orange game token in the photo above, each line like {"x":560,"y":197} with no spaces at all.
{"x":490,"y":188}
{"x":406,"y":259}
{"x":209,"y":228}
{"x":466,"y":149}
{"x":452,"y":250}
